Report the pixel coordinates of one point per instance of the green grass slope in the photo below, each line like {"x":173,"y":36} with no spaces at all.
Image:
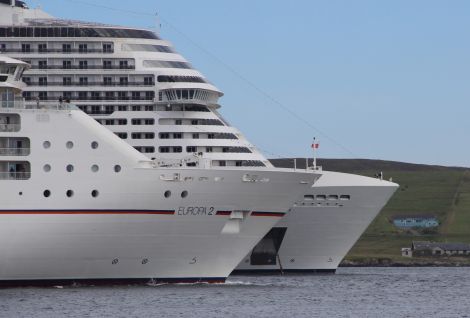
{"x":424,"y":189}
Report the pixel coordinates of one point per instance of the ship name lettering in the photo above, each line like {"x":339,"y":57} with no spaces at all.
{"x":195,"y":210}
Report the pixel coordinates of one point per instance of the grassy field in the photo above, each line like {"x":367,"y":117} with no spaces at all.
{"x":441,"y":191}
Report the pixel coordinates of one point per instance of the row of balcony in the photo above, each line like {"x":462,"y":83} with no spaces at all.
{"x":68,"y":51}
{"x":112,"y":84}
{"x":83,"y":67}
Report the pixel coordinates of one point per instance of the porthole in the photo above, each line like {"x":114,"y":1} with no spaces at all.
{"x":167,"y":194}
{"x":94,"y":193}
{"x":69,"y":193}
{"x":94,"y":145}
{"x":95,"y":168}
{"x":46,"y":144}
{"x":145,"y":261}
{"x":47,"y":168}
{"x":184,"y":194}
{"x":69,"y":145}
{"x":115,"y":261}
{"x":20,"y":193}
{"x":69,"y":168}
{"x":47,"y":193}
{"x":117,"y":168}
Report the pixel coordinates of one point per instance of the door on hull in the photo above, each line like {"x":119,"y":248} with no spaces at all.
{"x":265,"y":252}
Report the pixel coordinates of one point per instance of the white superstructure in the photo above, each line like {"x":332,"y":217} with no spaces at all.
{"x":79,"y":204}
{"x":138,"y":86}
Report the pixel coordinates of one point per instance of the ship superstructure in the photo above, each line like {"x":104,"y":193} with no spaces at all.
{"x":137,"y":85}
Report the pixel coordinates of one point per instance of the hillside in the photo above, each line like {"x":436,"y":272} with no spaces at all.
{"x":424,"y":189}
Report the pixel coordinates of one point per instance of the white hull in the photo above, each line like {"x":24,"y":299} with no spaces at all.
{"x":130,"y":231}
{"x":320,"y":233}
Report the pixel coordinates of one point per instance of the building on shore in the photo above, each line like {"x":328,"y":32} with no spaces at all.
{"x":426,"y":248}
{"x":410,"y":221}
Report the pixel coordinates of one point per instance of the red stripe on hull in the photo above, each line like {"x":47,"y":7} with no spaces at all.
{"x":224,"y":212}
{"x":129,"y":212}
{"x":273,"y":214}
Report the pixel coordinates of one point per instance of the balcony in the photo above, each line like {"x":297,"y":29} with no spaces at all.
{"x":61,"y":51}
{"x":110,"y":84}
{"x":78,"y":67}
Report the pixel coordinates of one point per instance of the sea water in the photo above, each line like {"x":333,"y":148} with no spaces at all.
{"x":352,"y":292}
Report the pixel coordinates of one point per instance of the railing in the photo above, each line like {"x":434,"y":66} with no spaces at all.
{"x":78,"y":67}
{"x":66,"y":51}
{"x":38,"y":105}
{"x":15,"y":175}
{"x":101,"y":98}
{"x":9,"y":127}
{"x":118,"y":84}
{"x":15,"y":151}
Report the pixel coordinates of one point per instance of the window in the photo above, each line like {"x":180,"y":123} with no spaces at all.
{"x":42,"y":81}
{"x":69,"y":145}
{"x":42,"y":65}
{"x":94,"y":193}
{"x":107,"y":48}
{"x":82,"y":48}
{"x":107,"y":81}
{"x":25,"y":48}
{"x":164,"y":149}
{"x":148,"y":80}
{"x":124,"y":81}
{"x":122,"y":96}
{"x":42,"y":48}
{"x":66,"y":65}
{"x":95,"y":168}
{"x":95,"y":95}
{"x":345,"y":197}
{"x":136,"y":95}
{"x":83,"y":65}
{"x":191,"y":149}
{"x":194,"y":122}
{"x":69,"y":168}
{"x":209,"y":149}
{"x":69,"y":193}
{"x":222,"y":163}
{"x":309,"y":197}
{"x":117,"y":168}
{"x":149,"y":95}
{"x":66,"y":48}
{"x":107,"y":64}
{"x":123,"y":65}
{"x":177,"y":135}
{"x":178,"y":122}
{"x":121,"y":135}
{"x":164,"y":136}
{"x":177,"y":149}
{"x":94,"y":145}
{"x":321,"y":197}
{"x":332,"y":197}
{"x":67,"y":81}
{"x":47,"y":193}
{"x":83,"y":81}
{"x":195,"y":136}
{"x":27,"y":80}
{"x":42,"y":95}
{"x":82,"y":95}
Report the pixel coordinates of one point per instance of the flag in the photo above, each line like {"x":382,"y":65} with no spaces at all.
{"x":315,"y":145}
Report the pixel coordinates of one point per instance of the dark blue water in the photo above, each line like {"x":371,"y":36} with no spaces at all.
{"x":352,"y":292}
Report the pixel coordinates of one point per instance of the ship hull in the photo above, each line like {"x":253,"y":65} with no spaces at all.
{"x":319,"y":234}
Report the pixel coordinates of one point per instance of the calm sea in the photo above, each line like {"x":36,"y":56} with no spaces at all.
{"x":352,"y":292}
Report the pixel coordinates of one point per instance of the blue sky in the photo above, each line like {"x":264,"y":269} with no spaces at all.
{"x":371,"y":79}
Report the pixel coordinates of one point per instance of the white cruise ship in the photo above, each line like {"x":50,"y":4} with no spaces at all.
{"x":81,"y":205}
{"x":138,"y":86}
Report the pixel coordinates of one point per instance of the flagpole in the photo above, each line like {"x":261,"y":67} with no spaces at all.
{"x":314,"y":155}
